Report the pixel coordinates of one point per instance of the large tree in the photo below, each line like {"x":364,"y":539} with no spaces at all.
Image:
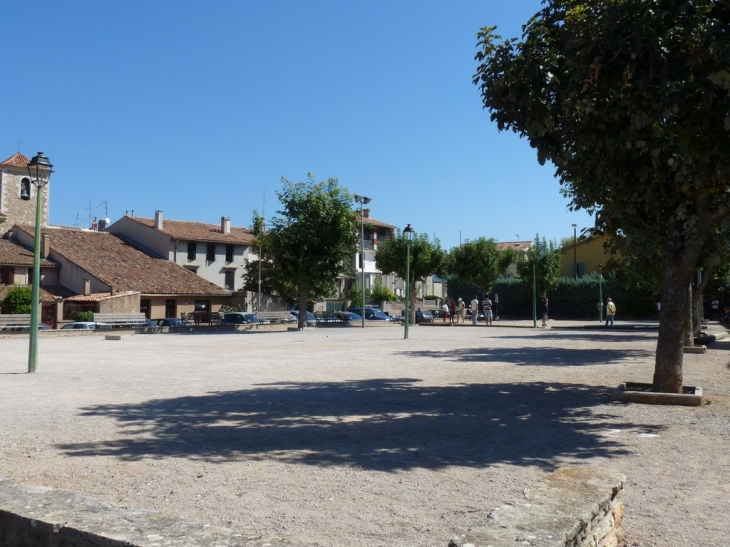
{"x":427,"y":258}
{"x":480,"y":262}
{"x":311,"y":242}
{"x":629,"y":100}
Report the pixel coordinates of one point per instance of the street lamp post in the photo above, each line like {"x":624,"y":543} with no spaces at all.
{"x":408,"y":233}
{"x":362,"y":200}
{"x":600,"y":293}
{"x":575,"y":261}
{"x":39,"y":170}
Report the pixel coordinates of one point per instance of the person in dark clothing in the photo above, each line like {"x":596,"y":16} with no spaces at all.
{"x":545,"y":311}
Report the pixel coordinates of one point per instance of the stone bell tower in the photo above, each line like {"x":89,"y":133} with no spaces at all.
{"x":18,"y":194}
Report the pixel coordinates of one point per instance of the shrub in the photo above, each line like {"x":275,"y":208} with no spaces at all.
{"x":17,"y":300}
{"x":83,"y":316}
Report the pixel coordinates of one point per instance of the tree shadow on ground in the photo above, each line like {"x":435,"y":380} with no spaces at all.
{"x":569,"y":334}
{"x":538,"y":356}
{"x":377,"y":424}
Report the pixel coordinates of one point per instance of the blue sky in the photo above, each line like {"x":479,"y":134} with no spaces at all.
{"x":199,"y":108}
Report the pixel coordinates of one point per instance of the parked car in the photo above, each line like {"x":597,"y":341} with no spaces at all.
{"x":86,"y":325}
{"x":238,"y":318}
{"x":351,"y":316}
{"x":372,"y":314}
{"x":426,"y":316}
{"x":25,"y":328}
{"x":173,"y":322}
{"x":311,"y":320}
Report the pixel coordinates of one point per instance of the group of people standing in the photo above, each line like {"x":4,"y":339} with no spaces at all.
{"x":455,"y":311}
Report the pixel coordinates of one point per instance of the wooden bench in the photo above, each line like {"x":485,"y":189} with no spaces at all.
{"x":129,"y":320}
{"x":14,"y":319}
{"x":273,"y":316}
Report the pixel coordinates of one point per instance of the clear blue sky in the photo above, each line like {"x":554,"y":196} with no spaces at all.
{"x":199,"y":108}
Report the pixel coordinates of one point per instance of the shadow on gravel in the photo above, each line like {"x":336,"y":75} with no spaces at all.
{"x":379,"y":424}
{"x":538,"y":356}
{"x":567,"y":335}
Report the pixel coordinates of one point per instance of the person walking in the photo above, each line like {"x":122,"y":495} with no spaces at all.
{"x":445,"y":310}
{"x":462,"y":308}
{"x":474,"y":310}
{"x":452,"y":310}
{"x":545,"y":311}
{"x":487,"y":306}
{"x":610,"y":312}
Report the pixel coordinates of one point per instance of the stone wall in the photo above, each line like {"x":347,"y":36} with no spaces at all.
{"x":573,"y":507}
{"x":33,"y":515}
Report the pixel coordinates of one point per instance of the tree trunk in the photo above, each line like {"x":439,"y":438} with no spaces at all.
{"x":680,"y":260}
{"x":303,"y":297}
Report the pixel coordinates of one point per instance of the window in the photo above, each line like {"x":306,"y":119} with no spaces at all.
{"x":230,"y":281}
{"x":7,"y":276}
{"x":210,"y":252}
{"x":192,"y":248}
{"x":229,"y":253}
{"x":170,"y":308}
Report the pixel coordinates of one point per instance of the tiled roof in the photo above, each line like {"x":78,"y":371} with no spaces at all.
{"x":516,"y":245}
{"x":200,"y":231}
{"x":15,"y":255}
{"x":373,"y":222}
{"x":99,"y":296}
{"x":45,"y":294}
{"x":16,"y":160}
{"x":122,"y":266}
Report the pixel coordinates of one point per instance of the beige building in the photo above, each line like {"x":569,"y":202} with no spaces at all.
{"x":18,"y":197}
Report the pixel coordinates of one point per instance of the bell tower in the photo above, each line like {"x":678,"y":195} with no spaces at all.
{"x":18,"y":195}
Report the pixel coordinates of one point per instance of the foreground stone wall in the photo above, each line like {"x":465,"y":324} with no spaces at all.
{"x":31,"y":516}
{"x":573,"y":507}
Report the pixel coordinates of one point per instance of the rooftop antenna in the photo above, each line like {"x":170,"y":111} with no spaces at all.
{"x":517,"y":236}
{"x":106,"y":210}
{"x":76,"y":222}
{"x":89,"y":209}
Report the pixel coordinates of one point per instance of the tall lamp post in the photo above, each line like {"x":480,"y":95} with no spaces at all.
{"x":575,"y":261}
{"x":39,"y":170}
{"x":600,"y":293}
{"x":362,"y":200}
{"x":408,"y":233}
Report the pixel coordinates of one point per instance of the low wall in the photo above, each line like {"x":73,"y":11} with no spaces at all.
{"x":573,"y":507}
{"x":33,"y":515}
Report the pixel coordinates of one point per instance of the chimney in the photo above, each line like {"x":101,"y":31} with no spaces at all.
{"x":112,"y":290}
{"x":102,"y":224}
{"x":45,"y":245}
{"x":87,"y":287}
{"x":225,"y":225}
{"x":158,"y":219}
{"x":366,"y":213}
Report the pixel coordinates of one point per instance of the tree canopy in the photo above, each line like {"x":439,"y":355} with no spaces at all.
{"x":427,"y":258}
{"x":546,"y":258}
{"x":480,"y":262}
{"x":310,"y":243}
{"x":629,"y":100}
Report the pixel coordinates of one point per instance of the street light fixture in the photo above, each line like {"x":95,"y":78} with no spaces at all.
{"x":575,"y":261}
{"x":408,"y":234}
{"x":39,"y":170}
{"x":362,"y":200}
{"x":600,"y":293}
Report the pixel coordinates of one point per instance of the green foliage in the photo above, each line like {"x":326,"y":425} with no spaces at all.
{"x":84,"y":316}
{"x":355,"y":295}
{"x":480,"y":263}
{"x":575,"y":298}
{"x":426,"y":256}
{"x":458,"y":288}
{"x":310,"y":244}
{"x":381,"y":293}
{"x":629,"y":100}
{"x":546,"y":259}
{"x":17,"y":300}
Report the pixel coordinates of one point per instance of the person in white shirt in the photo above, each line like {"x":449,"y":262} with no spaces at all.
{"x":474,"y":310}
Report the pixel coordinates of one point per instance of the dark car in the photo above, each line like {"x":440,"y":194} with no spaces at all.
{"x":311,"y":320}
{"x":238,"y":318}
{"x":173,"y":322}
{"x":25,"y":328}
{"x":372,"y":314}
{"x":426,"y":316}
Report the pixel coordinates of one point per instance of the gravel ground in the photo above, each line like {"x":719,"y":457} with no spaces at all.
{"x":357,"y":437}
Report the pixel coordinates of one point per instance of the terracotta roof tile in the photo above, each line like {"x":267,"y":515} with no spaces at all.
{"x":48,"y":294}
{"x":119,"y":264}
{"x":516,"y":245}
{"x":16,"y":160}
{"x":200,"y":231}
{"x":12,"y":254}
{"x":99,"y":296}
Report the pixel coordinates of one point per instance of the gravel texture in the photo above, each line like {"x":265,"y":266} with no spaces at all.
{"x":357,"y":437}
